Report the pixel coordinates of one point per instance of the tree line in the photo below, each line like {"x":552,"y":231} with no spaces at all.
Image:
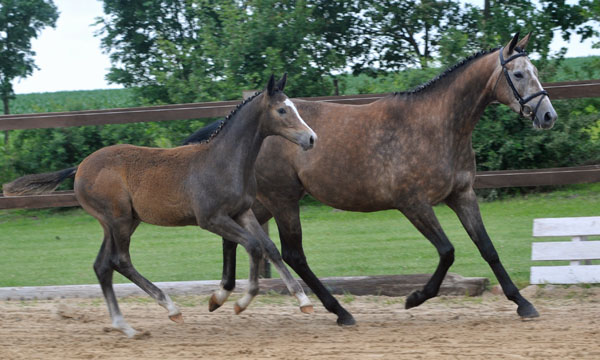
{"x":178,"y":51}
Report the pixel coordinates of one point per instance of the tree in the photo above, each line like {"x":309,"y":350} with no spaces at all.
{"x":418,"y":32}
{"x":20,"y":21}
{"x":192,"y":50}
{"x":405,"y":33}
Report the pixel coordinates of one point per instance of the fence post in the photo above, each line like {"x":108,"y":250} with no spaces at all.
{"x":264,"y":268}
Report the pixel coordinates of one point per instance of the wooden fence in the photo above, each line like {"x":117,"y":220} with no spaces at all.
{"x":491,"y":179}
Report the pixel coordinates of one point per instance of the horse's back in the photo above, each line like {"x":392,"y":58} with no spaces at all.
{"x":127,"y":180}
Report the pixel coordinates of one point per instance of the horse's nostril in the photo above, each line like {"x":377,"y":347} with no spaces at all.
{"x":311,"y":140}
{"x":547,"y":117}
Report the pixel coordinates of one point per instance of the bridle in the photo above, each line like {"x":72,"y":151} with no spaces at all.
{"x":525,"y":109}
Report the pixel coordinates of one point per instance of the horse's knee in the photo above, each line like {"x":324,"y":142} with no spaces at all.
{"x":254,"y":250}
{"x":447,"y":256}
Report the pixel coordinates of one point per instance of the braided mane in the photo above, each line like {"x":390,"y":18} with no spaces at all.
{"x":448,"y":71}
{"x":206,"y":134}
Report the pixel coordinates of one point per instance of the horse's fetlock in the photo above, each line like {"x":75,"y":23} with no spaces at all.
{"x":253,"y":290}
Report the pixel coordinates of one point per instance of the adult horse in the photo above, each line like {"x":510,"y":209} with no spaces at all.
{"x":407,"y":151}
{"x":210,"y":184}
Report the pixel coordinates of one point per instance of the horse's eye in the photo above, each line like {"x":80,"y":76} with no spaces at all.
{"x":518,"y":75}
{"x":281,"y":111}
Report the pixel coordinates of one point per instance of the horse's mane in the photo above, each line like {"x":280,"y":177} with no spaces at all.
{"x":453,"y":69}
{"x":207,"y":133}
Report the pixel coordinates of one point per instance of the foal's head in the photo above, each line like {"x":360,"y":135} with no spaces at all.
{"x":282,"y":118}
{"x":518,"y":85}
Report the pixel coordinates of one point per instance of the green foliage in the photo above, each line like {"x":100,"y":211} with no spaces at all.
{"x":179,"y":51}
{"x":20,"y":21}
{"x":408,"y":33}
{"x":503,"y":140}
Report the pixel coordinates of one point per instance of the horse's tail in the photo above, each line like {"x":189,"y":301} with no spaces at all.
{"x":36,"y":184}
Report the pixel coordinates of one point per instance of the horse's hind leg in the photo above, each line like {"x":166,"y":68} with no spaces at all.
{"x":466,"y":207}
{"x":424,"y":219}
{"x":287,"y":216}
{"x":219,"y":297}
{"x":123,"y":264}
{"x":103,"y":266}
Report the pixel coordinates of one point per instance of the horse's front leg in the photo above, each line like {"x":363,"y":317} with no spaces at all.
{"x":465,"y":205}
{"x":226,"y":227}
{"x":249,"y":221}
{"x":219,"y":297}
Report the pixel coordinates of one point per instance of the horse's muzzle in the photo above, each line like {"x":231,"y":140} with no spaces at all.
{"x":547,"y":121}
{"x":309,"y":143}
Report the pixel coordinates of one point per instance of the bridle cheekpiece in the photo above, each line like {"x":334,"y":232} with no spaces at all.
{"x":522,"y":101}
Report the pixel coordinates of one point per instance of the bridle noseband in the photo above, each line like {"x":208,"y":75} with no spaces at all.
{"x":522,"y":101}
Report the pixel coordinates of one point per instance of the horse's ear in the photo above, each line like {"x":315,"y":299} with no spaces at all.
{"x":281,"y":82}
{"x":271,"y":86}
{"x":513,"y":43}
{"x":524,"y":41}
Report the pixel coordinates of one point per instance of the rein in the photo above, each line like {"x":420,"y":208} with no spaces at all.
{"x":522,"y":101}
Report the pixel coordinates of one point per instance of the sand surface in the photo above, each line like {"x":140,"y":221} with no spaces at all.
{"x":273,"y":327}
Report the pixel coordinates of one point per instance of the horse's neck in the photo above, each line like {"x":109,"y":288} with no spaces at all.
{"x":462,"y":102}
{"x":240,"y":139}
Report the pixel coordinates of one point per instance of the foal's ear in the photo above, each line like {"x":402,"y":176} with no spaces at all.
{"x":271,"y":86}
{"x":281,"y":82}
{"x":524,"y":41}
{"x":512,"y":44}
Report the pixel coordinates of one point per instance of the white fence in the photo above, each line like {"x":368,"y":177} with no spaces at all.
{"x":578,"y":251}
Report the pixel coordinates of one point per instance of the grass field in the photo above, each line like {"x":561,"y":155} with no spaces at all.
{"x":51,"y":248}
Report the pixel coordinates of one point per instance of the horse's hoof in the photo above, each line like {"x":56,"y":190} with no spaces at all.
{"x":178,"y":318}
{"x":213,"y":304}
{"x":416,"y":298}
{"x":527,"y":311}
{"x":130,"y":333}
{"x":346,"y":320}
{"x":307,"y":309}
{"x":238,"y":309}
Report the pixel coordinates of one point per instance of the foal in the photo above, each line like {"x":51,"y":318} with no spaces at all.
{"x":211,"y":184}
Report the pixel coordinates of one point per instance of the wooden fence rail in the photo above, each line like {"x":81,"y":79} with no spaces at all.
{"x":491,"y":179}
{"x":483,"y":180}
{"x":558,"y":90}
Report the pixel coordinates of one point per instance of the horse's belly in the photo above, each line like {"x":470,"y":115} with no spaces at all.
{"x":158,"y":209}
{"x":372,"y":194}
{"x":353,"y":196}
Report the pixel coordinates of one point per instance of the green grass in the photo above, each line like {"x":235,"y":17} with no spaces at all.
{"x":51,"y":248}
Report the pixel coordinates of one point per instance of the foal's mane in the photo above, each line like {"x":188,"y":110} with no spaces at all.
{"x":461,"y":65}
{"x":207,"y":133}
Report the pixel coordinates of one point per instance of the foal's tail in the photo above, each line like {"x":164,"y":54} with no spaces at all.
{"x":36,"y":184}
